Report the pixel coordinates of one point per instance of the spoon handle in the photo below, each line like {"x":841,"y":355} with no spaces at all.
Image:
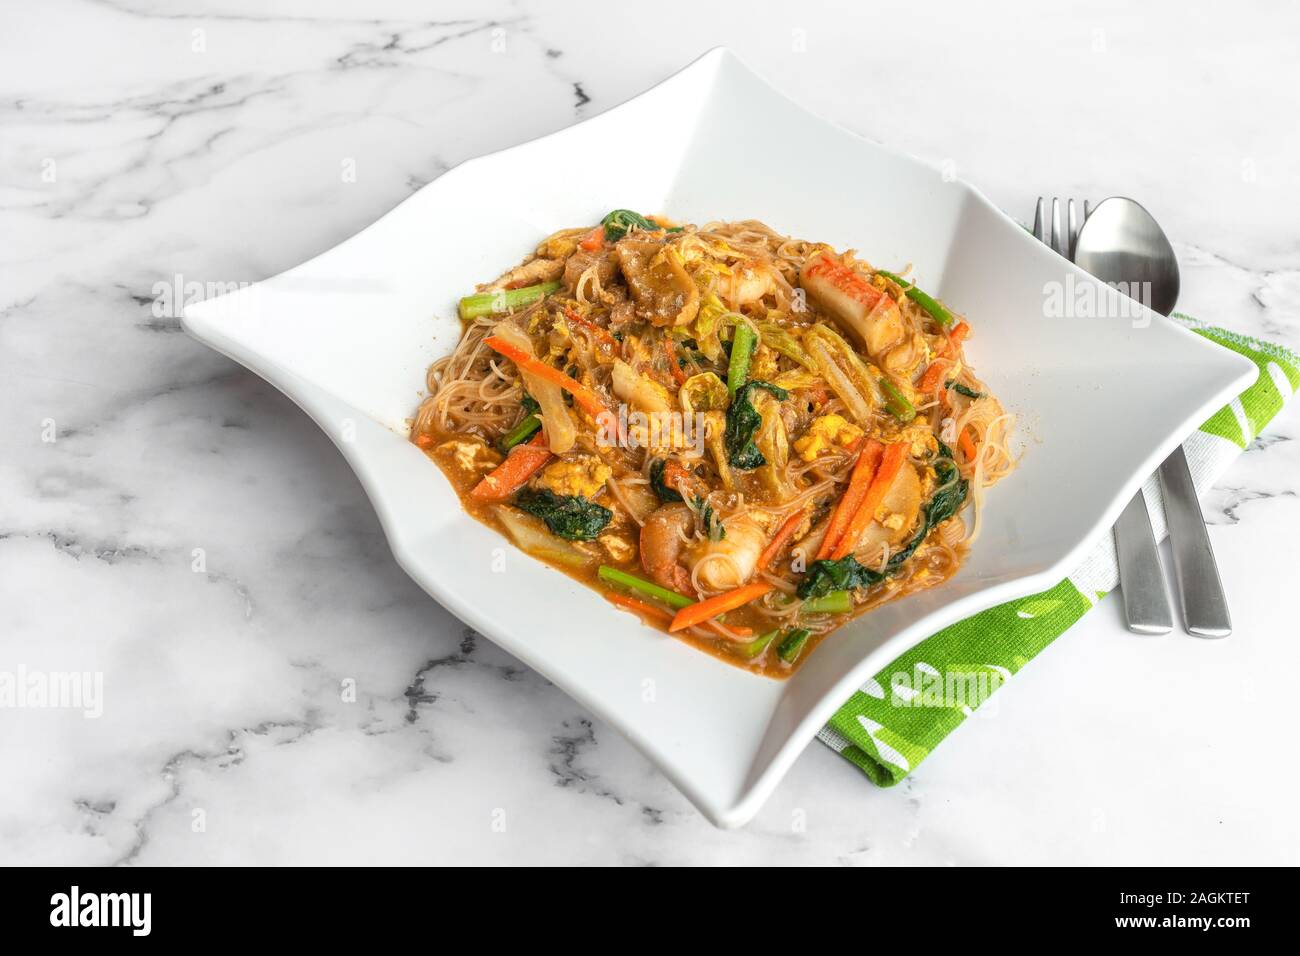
{"x":1205,"y":607}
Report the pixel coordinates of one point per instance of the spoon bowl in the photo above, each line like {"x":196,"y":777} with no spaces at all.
{"x":1121,"y":244}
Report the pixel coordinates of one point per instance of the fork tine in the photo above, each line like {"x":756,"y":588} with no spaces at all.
{"x":1072,"y":232}
{"x":1039,"y":232}
{"x":1087,"y":209}
{"x":1058,"y":236}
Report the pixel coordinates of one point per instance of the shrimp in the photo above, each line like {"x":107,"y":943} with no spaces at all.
{"x":717,"y":565}
{"x":730,"y":561}
{"x":663,"y":539}
{"x":748,"y":283}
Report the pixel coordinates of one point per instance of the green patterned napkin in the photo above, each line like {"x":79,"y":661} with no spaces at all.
{"x":894,"y":720}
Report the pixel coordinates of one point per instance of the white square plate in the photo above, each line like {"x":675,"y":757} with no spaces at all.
{"x":348,"y":336}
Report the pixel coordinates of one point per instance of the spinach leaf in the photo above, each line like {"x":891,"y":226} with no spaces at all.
{"x":568,"y":516}
{"x":618,"y":222}
{"x":743,"y":420}
{"x":713,"y":526}
{"x":793,"y":645}
{"x":657,"y":485}
{"x":945,"y":503}
{"x":847,"y":574}
{"x":961,"y":389}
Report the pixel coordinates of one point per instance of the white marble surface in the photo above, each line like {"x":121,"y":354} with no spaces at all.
{"x":143,"y":139}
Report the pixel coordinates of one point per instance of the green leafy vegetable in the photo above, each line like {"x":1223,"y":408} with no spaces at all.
{"x":520,"y":433}
{"x":897,"y":402}
{"x":826,"y":576}
{"x":632,"y":583}
{"x":568,"y":516}
{"x":835,"y":602}
{"x":620,"y":221}
{"x":713,"y":527}
{"x":743,"y":420}
{"x":943,"y":504}
{"x":742,"y":350}
{"x":961,"y":389}
{"x":846,"y":574}
{"x":526,"y":427}
{"x":792,"y":646}
{"x":503,"y":300}
{"x":940,"y":314}
{"x":755,"y":647}
{"x":657,"y":485}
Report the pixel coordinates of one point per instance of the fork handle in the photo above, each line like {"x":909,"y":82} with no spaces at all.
{"x":1205,"y":607}
{"x":1141,"y":581}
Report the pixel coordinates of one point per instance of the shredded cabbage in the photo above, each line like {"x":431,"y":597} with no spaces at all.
{"x":561,"y":434}
{"x":844,"y":370}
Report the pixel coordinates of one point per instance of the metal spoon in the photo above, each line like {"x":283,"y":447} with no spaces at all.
{"x":1121,"y":244}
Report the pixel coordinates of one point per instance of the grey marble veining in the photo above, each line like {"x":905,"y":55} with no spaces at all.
{"x":277,"y":691}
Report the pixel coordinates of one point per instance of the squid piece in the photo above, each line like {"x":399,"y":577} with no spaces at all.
{"x":867,"y":312}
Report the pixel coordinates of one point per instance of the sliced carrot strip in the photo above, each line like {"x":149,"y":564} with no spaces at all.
{"x":933,"y":375}
{"x":779,"y":539}
{"x":678,"y":478}
{"x":423,"y":440}
{"x":702,"y":611}
{"x":572,"y":316}
{"x":593,"y":240}
{"x":508,"y":477}
{"x":890,"y":463}
{"x":730,"y":633}
{"x":859,"y":481}
{"x":967,"y":444}
{"x":640,"y":607}
{"x":591,"y":402}
{"x":958,"y":335}
{"x":678,"y":375}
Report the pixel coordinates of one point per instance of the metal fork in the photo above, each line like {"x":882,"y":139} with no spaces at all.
{"x":1142,"y":580}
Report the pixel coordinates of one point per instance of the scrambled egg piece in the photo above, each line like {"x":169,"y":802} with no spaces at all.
{"x":763,"y":365}
{"x":583,"y":476}
{"x":559,"y":246}
{"x":470,"y":455}
{"x":920,"y":436}
{"x":617,"y":547}
{"x":823,"y":432}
